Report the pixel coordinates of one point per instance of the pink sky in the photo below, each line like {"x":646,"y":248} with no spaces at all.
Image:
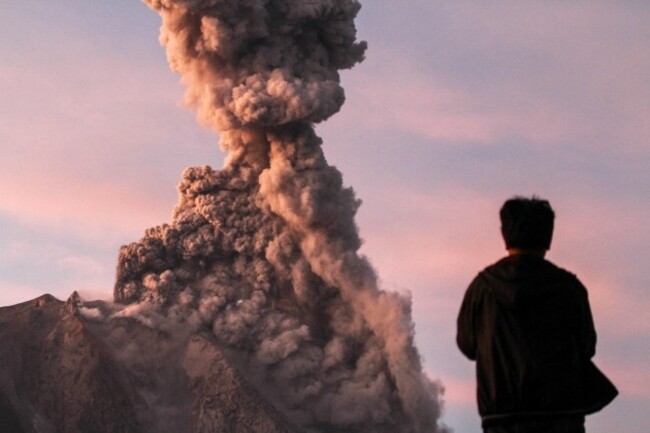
{"x":458,"y":106}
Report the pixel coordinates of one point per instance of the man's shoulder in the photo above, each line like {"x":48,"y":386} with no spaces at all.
{"x":563,"y":273}
{"x":526,"y":268}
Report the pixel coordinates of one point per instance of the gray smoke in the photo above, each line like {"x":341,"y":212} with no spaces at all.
{"x":265,"y":250}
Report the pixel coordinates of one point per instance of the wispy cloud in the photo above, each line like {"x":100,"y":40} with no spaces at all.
{"x":532,"y":71}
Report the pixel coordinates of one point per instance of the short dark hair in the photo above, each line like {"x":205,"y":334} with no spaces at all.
{"x":527,"y":223}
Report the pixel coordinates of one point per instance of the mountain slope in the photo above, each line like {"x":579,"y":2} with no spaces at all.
{"x":60,"y":372}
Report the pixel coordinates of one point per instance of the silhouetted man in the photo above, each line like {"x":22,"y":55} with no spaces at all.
{"x":528,"y":325}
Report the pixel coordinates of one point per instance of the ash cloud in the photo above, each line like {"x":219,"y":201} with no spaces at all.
{"x":264,"y":252}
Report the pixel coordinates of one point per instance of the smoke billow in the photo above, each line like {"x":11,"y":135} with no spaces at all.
{"x":265,"y":250}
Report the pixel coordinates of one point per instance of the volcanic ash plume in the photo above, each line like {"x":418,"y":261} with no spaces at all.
{"x":265,"y":250}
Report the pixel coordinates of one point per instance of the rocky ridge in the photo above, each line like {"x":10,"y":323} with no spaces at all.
{"x":63,"y":373}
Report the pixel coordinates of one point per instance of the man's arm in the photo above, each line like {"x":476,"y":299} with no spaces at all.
{"x":466,"y":323}
{"x":587,"y":329}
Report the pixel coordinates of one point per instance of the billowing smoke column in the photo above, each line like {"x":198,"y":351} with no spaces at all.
{"x":264,"y":251}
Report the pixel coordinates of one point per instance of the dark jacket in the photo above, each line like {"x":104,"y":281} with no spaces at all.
{"x":528,"y":325}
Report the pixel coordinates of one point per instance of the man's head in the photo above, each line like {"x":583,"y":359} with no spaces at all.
{"x":527,"y":224}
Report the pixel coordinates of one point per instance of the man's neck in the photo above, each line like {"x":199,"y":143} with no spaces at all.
{"x":517,"y":251}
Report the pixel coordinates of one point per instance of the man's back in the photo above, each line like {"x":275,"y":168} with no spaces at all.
{"x":528,"y":325}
